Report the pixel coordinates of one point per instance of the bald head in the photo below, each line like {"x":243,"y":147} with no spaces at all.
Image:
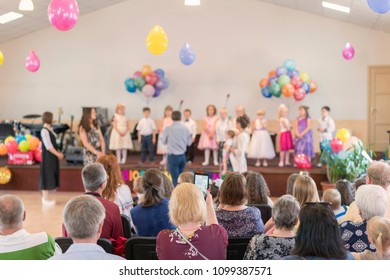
{"x":240,"y":111}
{"x":11,"y":212}
{"x":378,"y":173}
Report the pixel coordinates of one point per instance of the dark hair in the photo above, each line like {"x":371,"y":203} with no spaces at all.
{"x":306,"y":108}
{"x":188,"y":110}
{"x":214,"y":108}
{"x":243,"y":121}
{"x":326,"y":108}
{"x":85,"y":121}
{"x":345,"y":188}
{"x":233,"y":191}
{"x":151,"y":183}
{"x":359,"y":182}
{"x":214,"y":191}
{"x":47,"y":117}
{"x":146,"y":109}
{"x":318,"y":234}
{"x":257,"y":188}
{"x":231,"y":134}
{"x":176,"y":116}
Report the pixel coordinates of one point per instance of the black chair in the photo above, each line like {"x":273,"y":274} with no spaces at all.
{"x":237,"y":247}
{"x":65,"y":242}
{"x":141,"y":248}
{"x":266,"y":211}
{"x":126,"y":226}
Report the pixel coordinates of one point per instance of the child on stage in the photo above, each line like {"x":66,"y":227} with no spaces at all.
{"x":285,"y":139}
{"x":120,"y":140}
{"x":227,"y":145}
{"x":164,"y":123}
{"x":191,"y":125}
{"x":147,"y":135}
{"x":207,"y":141}
{"x":304,"y":134}
{"x":326,"y":127}
{"x":261,"y":146}
{"x":222,"y":127}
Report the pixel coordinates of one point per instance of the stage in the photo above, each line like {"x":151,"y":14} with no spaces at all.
{"x":26,"y":177}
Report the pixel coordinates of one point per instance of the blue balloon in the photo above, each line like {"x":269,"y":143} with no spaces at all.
{"x":130,"y":86}
{"x":20,"y":138}
{"x":379,"y":6}
{"x":266,"y":93}
{"x":273,"y":80}
{"x":289,"y":64}
{"x":159,"y":73}
{"x":187,"y":54}
{"x":325,"y":145}
{"x":305,"y":87}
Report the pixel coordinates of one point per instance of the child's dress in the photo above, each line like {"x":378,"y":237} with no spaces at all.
{"x":285,"y":139}
{"x":238,"y":158}
{"x":205,"y":142}
{"x":261,"y":146}
{"x":304,"y":145}
{"x":226,"y":151}
{"x":162,"y":149}
{"x":118,"y":142}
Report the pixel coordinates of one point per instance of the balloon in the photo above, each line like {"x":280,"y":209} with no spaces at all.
{"x":139,"y":82}
{"x":38,"y":155}
{"x":283,"y":79}
{"x":379,"y":6}
{"x":33,"y":143}
{"x":336,"y":145}
{"x":302,"y":161}
{"x":137,"y":74}
{"x":281,"y":71}
{"x":157,"y":40}
{"x":151,"y":79}
{"x":9,"y":138}
{"x":63,"y":14}
{"x":288,"y":90}
{"x":325,"y":145}
{"x":275,"y":90}
{"x":293,"y":73}
{"x":20,"y":138}
{"x":187,"y":54}
{"x":305,"y":77}
{"x":289,"y":64}
{"x":12,"y":146}
{"x":28,"y":136}
{"x":159,"y":73}
{"x":162,"y":84}
{"x":348,"y":51}
{"x":296,"y":82}
{"x":343,"y":134}
{"x":5,"y":175}
{"x":272,"y":73}
{"x":148,"y":90}
{"x":266,"y":93}
{"x":24,"y":146}
{"x":273,"y":80}
{"x":299,"y":94}
{"x":166,"y":83}
{"x":313,"y":86}
{"x":1,"y":58}
{"x":32,"y":62}
{"x":156,"y":93}
{"x":3,"y":149}
{"x":264,"y":83}
{"x":305,"y":87}
{"x":352,"y":143}
{"x":146,"y":70}
{"x":130,"y":85}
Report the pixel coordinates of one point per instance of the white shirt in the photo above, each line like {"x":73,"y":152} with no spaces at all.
{"x":124,"y":200}
{"x":238,"y":158}
{"x":45,"y":135}
{"x":221,"y":128}
{"x":146,"y":126}
{"x":328,"y":124}
{"x":284,"y":124}
{"x":86,"y":251}
{"x":191,"y":126}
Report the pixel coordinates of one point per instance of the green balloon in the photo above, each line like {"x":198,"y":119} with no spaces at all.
{"x":283,"y":80}
{"x":275,"y":90}
{"x":24,"y":146}
{"x":139,"y":82}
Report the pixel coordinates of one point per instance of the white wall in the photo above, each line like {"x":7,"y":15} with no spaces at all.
{"x":236,"y":41}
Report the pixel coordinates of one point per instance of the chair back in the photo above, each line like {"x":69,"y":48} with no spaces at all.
{"x":237,"y":247}
{"x":265,"y":209}
{"x":126,"y":226}
{"x":141,"y":248}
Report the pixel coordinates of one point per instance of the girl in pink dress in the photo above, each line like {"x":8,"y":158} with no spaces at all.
{"x":207,"y":141}
{"x":286,"y":141}
{"x":164,"y":123}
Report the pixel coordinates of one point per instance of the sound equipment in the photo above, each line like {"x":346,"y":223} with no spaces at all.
{"x":75,"y":155}
{"x":227,"y":99}
{"x":6,"y":129}
{"x":181,"y":104}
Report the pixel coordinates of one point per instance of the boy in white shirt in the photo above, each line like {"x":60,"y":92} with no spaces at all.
{"x":326,"y":126}
{"x":191,"y":125}
{"x":222,"y":126}
{"x":147,"y":135}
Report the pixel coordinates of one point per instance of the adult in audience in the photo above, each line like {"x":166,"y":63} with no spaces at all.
{"x":193,"y":239}
{"x":91,"y":136}
{"x":257,"y":188}
{"x":238,"y":219}
{"x":83,"y":217}
{"x":346,"y":191}
{"x":333,"y":197}
{"x":116,"y":190}
{"x":378,"y":231}
{"x":318,"y":236}
{"x":95,"y":179}
{"x":279,"y":244}
{"x":15,"y":242}
{"x":150,"y":216}
{"x":177,"y":137}
{"x":186,"y":177}
{"x":167,"y":186}
{"x":290,"y":183}
{"x":371,"y":201}
{"x":378,"y":173}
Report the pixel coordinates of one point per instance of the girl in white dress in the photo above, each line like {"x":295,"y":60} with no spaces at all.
{"x":120,"y":140}
{"x":261,"y":146}
{"x":237,"y":155}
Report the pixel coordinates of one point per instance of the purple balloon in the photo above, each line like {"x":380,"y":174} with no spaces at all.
{"x":348,"y":51}
{"x":293,"y":73}
{"x":160,"y":85}
{"x":187,"y":54}
{"x":273,"y":80}
{"x":281,"y":71}
{"x":156,"y":93}
{"x":159,"y":73}
{"x":379,"y":6}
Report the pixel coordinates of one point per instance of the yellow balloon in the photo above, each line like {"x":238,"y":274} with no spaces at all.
{"x":1,"y":58}
{"x":157,"y":40}
{"x":5,"y":175}
{"x":343,"y":134}
{"x":146,"y":70}
{"x":305,"y":77}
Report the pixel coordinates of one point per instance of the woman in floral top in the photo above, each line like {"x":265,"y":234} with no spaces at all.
{"x":192,"y":240}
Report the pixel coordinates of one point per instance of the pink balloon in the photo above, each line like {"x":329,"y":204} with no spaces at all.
{"x":38,"y":155}
{"x":63,"y":14}
{"x":148,"y":90}
{"x":336,"y":145}
{"x":302,"y":161}
{"x":12,"y":146}
{"x":299,"y":94}
{"x":137,"y":74}
{"x":348,"y":51}
{"x":296,"y":82}
{"x":32,"y":62}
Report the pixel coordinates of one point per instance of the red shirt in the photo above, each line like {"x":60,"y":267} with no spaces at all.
{"x":112,"y":226}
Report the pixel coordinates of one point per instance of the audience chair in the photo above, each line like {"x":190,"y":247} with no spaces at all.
{"x":65,"y":242}
{"x":126,"y":226}
{"x":141,"y":248}
{"x":266,"y":211}
{"x":237,"y":247}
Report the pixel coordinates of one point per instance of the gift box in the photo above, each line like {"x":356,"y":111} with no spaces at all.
{"x":21,"y":158}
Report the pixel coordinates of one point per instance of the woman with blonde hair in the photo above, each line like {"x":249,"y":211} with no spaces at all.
{"x":305,"y":189}
{"x":198,"y":235}
{"x":116,"y":190}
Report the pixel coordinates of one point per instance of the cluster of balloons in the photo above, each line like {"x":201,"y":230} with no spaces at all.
{"x":32,"y":62}
{"x":302,"y":161}
{"x":150,"y":83}
{"x":342,"y":143}
{"x":379,"y":6}
{"x":348,"y":51}
{"x":63,"y":14}
{"x":286,"y":80}
{"x":22,"y":143}
{"x":157,"y":40}
{"x":5,"y":175}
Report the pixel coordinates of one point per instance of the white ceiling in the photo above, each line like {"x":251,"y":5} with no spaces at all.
{"x":360,"y":14}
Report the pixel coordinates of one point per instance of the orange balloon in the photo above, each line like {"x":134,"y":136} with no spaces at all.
{"x":34,"y":143}
{"x":288,"y":90}
{"x":146,"y":70}
{"x":272,"y":73}
{"x":264,"y":83}
{"x":3,"y":149}
{"x":313,"y":86}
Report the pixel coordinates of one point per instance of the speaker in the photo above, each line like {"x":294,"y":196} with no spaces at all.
{"x":75,"y":155}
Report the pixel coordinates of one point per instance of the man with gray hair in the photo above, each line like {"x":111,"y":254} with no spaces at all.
{"x":15,"y":242}
{"x":94,"y":179}
{"x":83,"y":218}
